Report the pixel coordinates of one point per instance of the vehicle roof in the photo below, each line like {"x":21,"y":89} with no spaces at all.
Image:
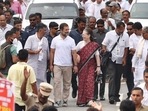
{"x":140,"y":1}
{"x":54,"y":1}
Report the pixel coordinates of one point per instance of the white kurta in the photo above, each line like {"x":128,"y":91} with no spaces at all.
{"x":38,"y":63}
{"x":139,"y":64}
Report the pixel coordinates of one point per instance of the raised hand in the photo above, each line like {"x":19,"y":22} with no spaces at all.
{"x":26,"y":73}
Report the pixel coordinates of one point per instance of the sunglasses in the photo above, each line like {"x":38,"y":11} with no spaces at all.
{"x":129,"y":29}
{"x":100,"y":26}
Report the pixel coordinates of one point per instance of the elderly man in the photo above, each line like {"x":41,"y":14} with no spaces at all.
{"x":4,"y":27}
{"x":139,"y":58}
{"x":39,"y":100}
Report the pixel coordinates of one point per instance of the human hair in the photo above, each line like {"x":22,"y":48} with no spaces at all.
{"x":32,"y":15}
{"x":146,"y":63}
{"x":7,"y":3}
{"x":145,"y":29}
{"x":53,"y":24}
{"x":91,"y":17}
{"x":62,"y":25}
{"x":137,"y":88}
{"x":126,"y":11}
{"x":107,"y":3}
{"x":92,"y":109}
{"x":100,"y":21}
{"x":23,"y":55}
{"x":130,"y":23}
{"x":145,"y":71}
{"x":18,"y":21}
{"x":33,"y":108}
{"x":49,"y":108}
{"x":14,"y":30}
{"x":119,"y":24}
{"x":40,"y":26}
{"x":1,"y":7}
{"x":81,"y":19}
{"x":8,"y":34}
{"x":127,"y":105}
{"x":89,"y":32}
{"x":39,"y":14}
{"x":8,"y":11}
{"x":137,"y":25}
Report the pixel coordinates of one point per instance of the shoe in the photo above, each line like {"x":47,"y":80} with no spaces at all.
{"x":117,"y":100}
{"x":74,"y":94}
{"x":57,"y":104}
{"x":111,"y":101}
{"x":65,"y":104}
{"x":102,"y":98}
{"x":81,"y":105}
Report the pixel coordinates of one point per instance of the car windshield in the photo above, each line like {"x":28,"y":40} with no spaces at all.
{"x":54,"y":10}
{"x":139,"y":11}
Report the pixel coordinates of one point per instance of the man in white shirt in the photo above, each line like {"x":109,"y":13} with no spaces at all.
{"x":117,"y":60}
{"x":144,"y":86}
{"x":124,"y":4}
{"x":139,"y":58}
{"x":61,"y":55}
{"x":4,"y":27}
{"x":94,"y":9}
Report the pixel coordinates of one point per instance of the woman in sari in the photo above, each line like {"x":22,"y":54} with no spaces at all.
{"x":89,"y":66}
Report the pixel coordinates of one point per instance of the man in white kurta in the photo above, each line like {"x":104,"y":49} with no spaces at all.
{"x":37,"y":46}
{"x":139,"y":58}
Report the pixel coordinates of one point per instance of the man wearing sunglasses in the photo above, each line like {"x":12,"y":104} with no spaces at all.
{"x":31,"y":29}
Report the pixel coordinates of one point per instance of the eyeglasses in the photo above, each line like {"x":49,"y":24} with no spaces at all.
{"x":31,"y":19}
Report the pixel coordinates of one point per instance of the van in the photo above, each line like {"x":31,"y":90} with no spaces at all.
{"x":60,"y":11}
{"x":138,"y":11}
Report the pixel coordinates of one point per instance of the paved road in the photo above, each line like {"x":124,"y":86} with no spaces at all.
{"x":106,"y":106}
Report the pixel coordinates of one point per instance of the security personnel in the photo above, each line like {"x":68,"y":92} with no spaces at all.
{"x":39,"y":100}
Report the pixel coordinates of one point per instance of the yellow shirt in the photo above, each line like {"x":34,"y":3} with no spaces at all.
{"x":16,"y":76}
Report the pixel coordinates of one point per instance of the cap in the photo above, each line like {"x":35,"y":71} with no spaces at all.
{"x":81,"y":8}
{"x":45,"y":88}
{"x":113,"y":3}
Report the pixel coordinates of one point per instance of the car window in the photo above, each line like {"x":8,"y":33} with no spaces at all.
{"x":139,"y":11}
{"x":54,"y":10}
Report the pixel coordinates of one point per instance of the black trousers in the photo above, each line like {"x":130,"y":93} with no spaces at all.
{"x":102,"y":85}
{"x":128,"y":74}
{"x":114,"y":72}
{"x":74,"y":82}
{"x":19,"y":108}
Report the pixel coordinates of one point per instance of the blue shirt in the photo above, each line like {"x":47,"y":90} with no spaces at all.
{"x":30,"y":30}
{"x":76,"y":35}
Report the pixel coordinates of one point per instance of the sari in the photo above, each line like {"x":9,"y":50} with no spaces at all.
{"x":86,"y":76}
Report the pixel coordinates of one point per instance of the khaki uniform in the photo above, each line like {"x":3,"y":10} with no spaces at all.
{"x":33,"y":100}
{"x":143,"y":108}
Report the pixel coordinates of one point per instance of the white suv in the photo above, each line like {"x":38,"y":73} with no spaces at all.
{"x":139,"y":12}
{"x":53,"y":10}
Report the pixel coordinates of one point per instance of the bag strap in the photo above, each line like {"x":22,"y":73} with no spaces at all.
{"x":115,"y":44}
{"x":5,"y":47}
{"x":88,"y":59}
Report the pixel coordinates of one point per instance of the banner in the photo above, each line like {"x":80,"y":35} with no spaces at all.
{"x":6,"y":96}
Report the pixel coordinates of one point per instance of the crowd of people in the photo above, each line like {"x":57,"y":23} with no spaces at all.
{"x":73,"y":57}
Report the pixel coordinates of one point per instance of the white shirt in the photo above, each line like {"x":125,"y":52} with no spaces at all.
{"x":87,"y":5}
{"x":124,"y":4}
{"x":106,"y":24}
{"x":133,"y":41}
{"x":63,"y":48}
{"x":23,"y":7}
{"x":94,"y":9}
{"x":118,"y":52}
{"x":145,"y":94}
{"x":3,"y":31}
